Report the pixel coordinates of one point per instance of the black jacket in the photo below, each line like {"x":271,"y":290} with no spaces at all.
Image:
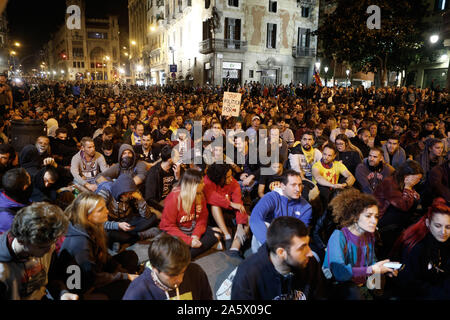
{"x":257,"y":279}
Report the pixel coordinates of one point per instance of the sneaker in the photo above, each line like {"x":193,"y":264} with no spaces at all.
{"x":149,"y":233}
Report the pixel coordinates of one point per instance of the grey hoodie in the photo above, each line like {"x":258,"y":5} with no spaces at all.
{"x":121,"y":211}
{"x":136,"y":168}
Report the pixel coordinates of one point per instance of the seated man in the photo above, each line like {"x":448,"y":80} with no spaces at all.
{"x":127,"y":164}
{"x":283,"y":268}
{"x":161,"y":179}
{"x":393,"y":153}
{"x":136,"y":137}
{"x":372,"y":171}
{"x":170,"y":274}
{"x":146,"y":152}
{"x":326,"y":174}
{"x":342,"y":129}
{"x":107,"y":135}
{"x":303,"y":156}
{"x":27,"y":259}
{"x":43,"y":146}
{"x":129,"y":215}
{"x":63,"y":149}
{"x":86,"y":165}
{"x":284,"y":201}
{"x":16,"y":194}
{"x":4,"y":161}
{"x":271,"y":182}
{"x":361,"y":141}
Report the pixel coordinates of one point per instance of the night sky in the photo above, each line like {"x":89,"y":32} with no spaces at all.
{"x":32,"y":22}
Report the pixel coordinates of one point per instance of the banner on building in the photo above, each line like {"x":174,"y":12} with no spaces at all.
{"x":231,"y":104}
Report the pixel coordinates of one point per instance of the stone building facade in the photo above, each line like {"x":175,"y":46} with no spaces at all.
{"x":90,"y":53}
{"x":219,"y":41}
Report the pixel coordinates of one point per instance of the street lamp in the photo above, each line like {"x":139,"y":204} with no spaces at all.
{"x":318,"y":66}
{"x":326,"y":75}
{"x":17,"y":44}
{"x":347,"y":72}
{"x":434,"y":38}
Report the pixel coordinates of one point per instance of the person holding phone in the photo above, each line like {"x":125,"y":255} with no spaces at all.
{"x":350,"y":257}
{"x":424,"y":249}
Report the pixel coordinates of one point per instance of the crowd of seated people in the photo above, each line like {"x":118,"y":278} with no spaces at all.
{"x":314,"y":191}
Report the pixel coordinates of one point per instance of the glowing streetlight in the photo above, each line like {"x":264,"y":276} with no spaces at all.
{"x":17,"y":44}
{"x":318,"y":66}
{"x":126,"y":54}
{"x":62,"y":71}
{"x":133,"y":42}
{"x":152,"y":28}
{"x":13,"y":53}
{"x":347,"y":72}
{"x":434,"y":38}
{"x":107,"y":58}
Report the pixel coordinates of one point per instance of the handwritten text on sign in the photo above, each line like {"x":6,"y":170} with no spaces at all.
{"x":231,"y":104}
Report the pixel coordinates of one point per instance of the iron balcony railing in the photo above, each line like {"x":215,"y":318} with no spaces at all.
{"x":222,"y":45}
{"x":298,"y":52}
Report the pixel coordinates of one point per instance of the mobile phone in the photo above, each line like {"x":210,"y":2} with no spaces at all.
{"x":393,"y":265}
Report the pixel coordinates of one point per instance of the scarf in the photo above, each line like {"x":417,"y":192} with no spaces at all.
{"x":309,"y":155}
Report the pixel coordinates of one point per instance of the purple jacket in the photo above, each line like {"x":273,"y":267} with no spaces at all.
{"x":8,"y":209}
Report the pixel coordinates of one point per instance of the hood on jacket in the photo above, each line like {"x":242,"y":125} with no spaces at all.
{"x":123,"y":148}
{"x":29,"y":159}
{"x":76,"y":231}
{"x":123,"y":184}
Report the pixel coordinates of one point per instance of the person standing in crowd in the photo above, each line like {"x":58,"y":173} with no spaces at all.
{"x":85,"y":244}
{"x":86,"y":165}
{"x":28,"y":266}
{"x":350,"y":257}
{"x":424,"y":250}
{"x":283,"y":268}
{"x":372,"y":171}
{"x":170,"y":274}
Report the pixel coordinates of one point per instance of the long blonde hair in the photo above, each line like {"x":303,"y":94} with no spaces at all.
{"x":78,"y":213}
{"x":188,"y":189}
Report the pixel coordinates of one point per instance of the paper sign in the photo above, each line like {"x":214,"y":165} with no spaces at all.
{"x":231,"y":104}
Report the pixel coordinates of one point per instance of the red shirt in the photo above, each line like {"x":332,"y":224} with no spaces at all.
{"x":173,"y":218}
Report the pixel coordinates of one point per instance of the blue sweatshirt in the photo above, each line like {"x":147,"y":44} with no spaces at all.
{"x":273,"y":205}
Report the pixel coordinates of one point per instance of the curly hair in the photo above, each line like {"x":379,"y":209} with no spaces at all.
{"x":217,"y":173}
{"x":39,"y":223}
{"x":349,"y":204}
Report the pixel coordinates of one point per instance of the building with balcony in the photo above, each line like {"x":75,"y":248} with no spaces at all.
{"x":220,"y":41}
{"x":90,"y":53}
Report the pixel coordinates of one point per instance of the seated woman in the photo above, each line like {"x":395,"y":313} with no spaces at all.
{"x":185,"y":214}
{"x":424,"y":249}
{"x":350,"y":257}
{"x":397,"y":201}
{"x":102,"y":276}
{"x":223,"y":194}
{"x":350,"y":155}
